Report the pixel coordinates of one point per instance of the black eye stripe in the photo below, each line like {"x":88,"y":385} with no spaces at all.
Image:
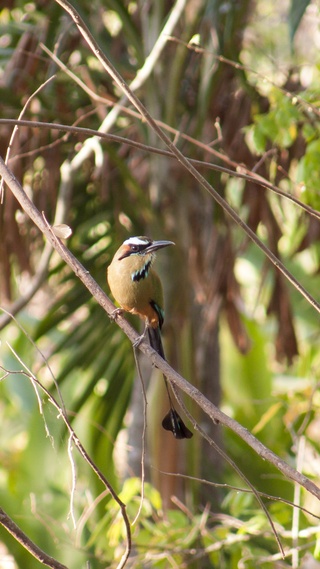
{"x":139,"y":248}
{"x":135,"y":249}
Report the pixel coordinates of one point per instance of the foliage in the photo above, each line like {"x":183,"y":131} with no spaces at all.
{"x":217,"y":540}
{"x":268,"y":337}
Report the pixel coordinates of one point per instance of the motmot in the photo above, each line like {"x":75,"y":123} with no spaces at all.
{"x":137,"y":289}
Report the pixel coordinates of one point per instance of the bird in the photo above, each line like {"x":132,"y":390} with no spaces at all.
{"x":137,"y":288}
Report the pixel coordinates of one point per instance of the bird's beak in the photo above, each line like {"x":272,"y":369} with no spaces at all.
{"x":157,"y":245}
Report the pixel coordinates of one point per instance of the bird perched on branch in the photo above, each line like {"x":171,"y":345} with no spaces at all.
{"x":137,"y":289}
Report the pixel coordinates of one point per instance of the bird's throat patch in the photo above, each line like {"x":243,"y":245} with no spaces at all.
{"x":141,"y":273}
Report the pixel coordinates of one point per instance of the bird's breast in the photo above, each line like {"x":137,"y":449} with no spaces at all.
{"x":135,"y":286}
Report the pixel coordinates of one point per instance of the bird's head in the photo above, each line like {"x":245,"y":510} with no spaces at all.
{"x":140,"y":246}
{"x":136,"y":255}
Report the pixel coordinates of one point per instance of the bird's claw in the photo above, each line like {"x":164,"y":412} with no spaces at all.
{"x":116,"y":312}
{"x":138,"y":341}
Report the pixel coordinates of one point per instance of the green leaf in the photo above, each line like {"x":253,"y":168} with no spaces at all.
{"x":297,"y":9}
{"x":259,"y":140}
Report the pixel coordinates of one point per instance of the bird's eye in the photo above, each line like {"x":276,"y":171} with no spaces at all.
{"x":134,"y":248}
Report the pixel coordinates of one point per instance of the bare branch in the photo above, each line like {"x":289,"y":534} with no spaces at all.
{"x":237,"y":489}
{"x":209,"y":408}
{"x":26,"y":542}
{"x":242,"y":172}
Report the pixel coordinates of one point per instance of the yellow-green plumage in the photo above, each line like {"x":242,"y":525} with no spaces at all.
{"x":136,"y":296}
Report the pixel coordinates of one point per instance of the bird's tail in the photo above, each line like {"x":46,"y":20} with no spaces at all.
{"x":155,"y":340}
{"x":172,"y":421}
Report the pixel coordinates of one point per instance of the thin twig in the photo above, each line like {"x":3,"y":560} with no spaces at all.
{"x":238,"y":489}
{"x":34,"y":385}
{"x":74,"y":481}
{"x":15,"y":130}
{"x":85,"y":516}
{"x":144,"y":432}
{"x":301,"y":443}
{"x":36,"y":347}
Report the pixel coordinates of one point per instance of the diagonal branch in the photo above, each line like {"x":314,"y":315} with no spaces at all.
{"x":26,"y":542}
{"x":209,"y":408}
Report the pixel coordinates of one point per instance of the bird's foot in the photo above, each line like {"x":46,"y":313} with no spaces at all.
{"x":138,"y":341}
{"x":116,"y":312}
